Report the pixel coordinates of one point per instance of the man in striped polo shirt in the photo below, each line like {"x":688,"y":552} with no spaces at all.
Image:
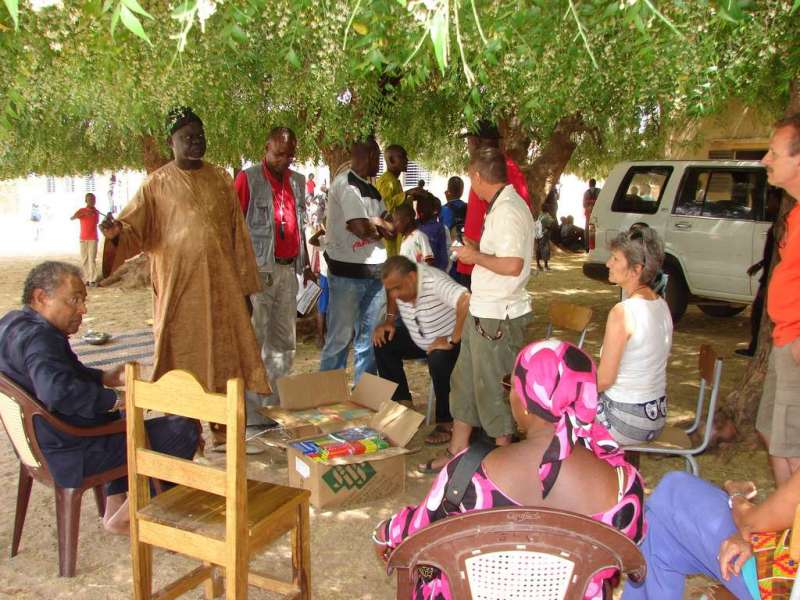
{"x":433,"y":308}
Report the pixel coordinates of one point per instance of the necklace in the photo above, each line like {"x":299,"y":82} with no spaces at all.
{"x":641,"y":287}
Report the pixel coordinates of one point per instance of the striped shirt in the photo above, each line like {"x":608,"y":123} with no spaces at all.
{"x":433,"y":314}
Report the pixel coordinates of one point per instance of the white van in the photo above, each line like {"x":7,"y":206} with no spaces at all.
{"x":713,"y":216}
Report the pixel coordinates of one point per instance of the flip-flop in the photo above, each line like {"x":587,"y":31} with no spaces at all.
{"x":428,"y":467}
{"x":439,"y":436}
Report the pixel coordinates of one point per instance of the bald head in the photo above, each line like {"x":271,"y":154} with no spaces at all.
{"x":365,"y":158}
{"x":281,"y":148}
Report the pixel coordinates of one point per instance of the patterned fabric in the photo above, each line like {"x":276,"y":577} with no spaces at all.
{"x":776,"y":570}
{"x":627,"y":516}
{"x":558,"y":382}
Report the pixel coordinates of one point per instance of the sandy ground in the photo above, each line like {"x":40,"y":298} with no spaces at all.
{"x":343,"y":565}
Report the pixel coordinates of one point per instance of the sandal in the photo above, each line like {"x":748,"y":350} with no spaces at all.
{"x":428,"y":467}
{"x":441,"y":434}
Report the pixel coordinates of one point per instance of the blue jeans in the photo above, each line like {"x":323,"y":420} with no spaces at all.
{"x":354,"y":307}
{"x":688,"y":519}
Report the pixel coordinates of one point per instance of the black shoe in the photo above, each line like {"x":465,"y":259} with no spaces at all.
{"x":745,"y":352}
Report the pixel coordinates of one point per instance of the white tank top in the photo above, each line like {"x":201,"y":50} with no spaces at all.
{"x":642,"y":375}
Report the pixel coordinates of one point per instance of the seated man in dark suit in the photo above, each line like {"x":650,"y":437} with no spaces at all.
{"x":35,"y":353}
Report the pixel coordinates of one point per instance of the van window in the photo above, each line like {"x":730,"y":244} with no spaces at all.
{"x":641,"y":190}
{"x":723,"y":194}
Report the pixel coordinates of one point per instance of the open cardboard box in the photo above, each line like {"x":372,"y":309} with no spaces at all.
{"x":345,"y":480}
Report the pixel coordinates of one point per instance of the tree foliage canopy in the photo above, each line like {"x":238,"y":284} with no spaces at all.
{"x":82,"y":82}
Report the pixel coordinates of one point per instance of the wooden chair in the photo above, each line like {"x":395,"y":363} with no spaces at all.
{"x":676,"y":441}
{"x":516,"y":552}
{"x":17,"y":411}
{"x":216,"y":516}
{"x":574,"y":317}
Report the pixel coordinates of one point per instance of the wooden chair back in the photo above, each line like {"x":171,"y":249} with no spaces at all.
{"x":516,"y":552}
{"x":706,"y":361}
{"x":569,"y":316}
{"x":179,"y":393}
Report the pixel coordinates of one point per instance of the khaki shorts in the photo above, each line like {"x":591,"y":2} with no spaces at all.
{"x":476,"y":391}
{"x":778,"y":417}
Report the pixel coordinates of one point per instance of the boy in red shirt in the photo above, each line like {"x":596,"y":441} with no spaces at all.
{"x":89,"y":217}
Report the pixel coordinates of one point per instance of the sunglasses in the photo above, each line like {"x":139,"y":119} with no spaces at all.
{"x":491,"y":337}
{"x":506,"y":382}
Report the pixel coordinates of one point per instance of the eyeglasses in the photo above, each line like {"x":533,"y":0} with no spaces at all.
{"x":74,"y":301}
{"x":493,"y":337}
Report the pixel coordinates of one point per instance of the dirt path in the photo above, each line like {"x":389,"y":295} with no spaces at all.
{"x":343,"y":565}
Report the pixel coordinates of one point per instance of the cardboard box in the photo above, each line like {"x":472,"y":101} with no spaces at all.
{"x":313,"y":404}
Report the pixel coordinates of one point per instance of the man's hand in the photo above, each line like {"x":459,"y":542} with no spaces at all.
{"x":796,"y":351}
{"x":742,"y":488}
{"x":733,"y":553}
{"x":308,"y":275}
{"x":440,"y":343}
{"x":382,"y":334}
{"x":111,"y":230}
{"x":114,"y":377}
{"x":465,"y":254}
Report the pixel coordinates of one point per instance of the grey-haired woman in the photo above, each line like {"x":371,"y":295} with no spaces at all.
{"x":636,"y":345}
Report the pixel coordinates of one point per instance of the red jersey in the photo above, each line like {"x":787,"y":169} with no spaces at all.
{"x":476,"y":208}
{"x":89,"y":217}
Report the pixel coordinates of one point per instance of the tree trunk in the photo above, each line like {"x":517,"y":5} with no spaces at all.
{"x":742,"y":403}
{"x":337,"y":158}
{"x":152,"y":156}
{"x":545,"y":170}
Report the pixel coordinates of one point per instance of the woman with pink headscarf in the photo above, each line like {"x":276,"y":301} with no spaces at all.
{"x":564,"y":453}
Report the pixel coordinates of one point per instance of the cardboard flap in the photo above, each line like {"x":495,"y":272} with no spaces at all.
{"x":371,"y":391}
{"x":313,"y":389}
{"x":396,"y":422}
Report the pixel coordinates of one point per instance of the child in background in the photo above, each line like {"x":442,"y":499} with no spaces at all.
{"x":318,"y":265}
{"x":415,"y":245}
{"x":428,"y":209}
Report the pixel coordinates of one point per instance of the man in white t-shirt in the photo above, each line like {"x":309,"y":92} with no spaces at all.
{"x":433,"y":308}
{"x":355,"y":230}
{"x":499,"y":310}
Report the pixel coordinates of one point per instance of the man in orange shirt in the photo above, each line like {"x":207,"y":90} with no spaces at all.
{"x":89,"y":217}
{"x":778,"y":418}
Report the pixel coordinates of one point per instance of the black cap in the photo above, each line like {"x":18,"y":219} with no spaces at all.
{"x":180,"y":116}
{"x":482,"y":129}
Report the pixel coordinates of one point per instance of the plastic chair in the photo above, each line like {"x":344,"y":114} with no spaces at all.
{"x":574,"y":317}
{"x":516,"y":553}
{"x":676,"y":441}
{"x":215,"y":515}
{"x":17,"y":411}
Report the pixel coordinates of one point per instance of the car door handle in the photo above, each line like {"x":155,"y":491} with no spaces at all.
{"x":683,"y":225}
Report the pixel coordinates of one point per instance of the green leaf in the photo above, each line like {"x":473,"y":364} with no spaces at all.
{"x":293,"y":59}
{"x":134,"y":6}
{"x":115,"y":18}
{"x":439,"y":37}
{"x":13,"y":10}
{"x":795,"y":7}
{"x":132,"y":23}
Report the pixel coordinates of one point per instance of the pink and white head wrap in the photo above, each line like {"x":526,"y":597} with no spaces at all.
{"x":558,"y":382}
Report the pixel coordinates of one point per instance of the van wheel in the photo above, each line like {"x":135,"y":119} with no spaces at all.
{"x":722,"y":310}
{"x":677,"y":293}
